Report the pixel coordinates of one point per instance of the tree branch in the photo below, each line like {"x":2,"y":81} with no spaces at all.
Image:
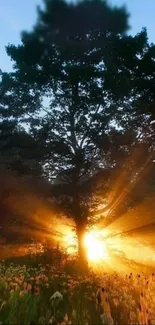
{"x":89,"y":125}
{"x":72,"y":116}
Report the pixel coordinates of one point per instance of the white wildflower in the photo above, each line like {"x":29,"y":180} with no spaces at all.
{"x":56,"y":299}
{"x":57,"y":296}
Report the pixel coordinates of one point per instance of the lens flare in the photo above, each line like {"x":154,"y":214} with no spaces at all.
{"x":95,"y":246}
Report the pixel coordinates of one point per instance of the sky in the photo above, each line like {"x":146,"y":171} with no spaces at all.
{"x":19,"y":15}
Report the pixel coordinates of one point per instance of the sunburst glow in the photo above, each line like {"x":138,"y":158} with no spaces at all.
{"x":96,"y":248}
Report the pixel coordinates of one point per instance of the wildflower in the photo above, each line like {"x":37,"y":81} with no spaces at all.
{"x":66,"y":318}
{"x":2,"y":305}
{"x":52,"y":320}
{"x":56,"y":299}
{"x":45,"y":279}
{"x":12,"y":284}
{"x":74,"y":314}
{"x":37,"y":277}
{"x":63,"y":284}
{"x":25,"y":285}
{"x":57,"y":295}
{"x":16,"y":287}
{"x":47,"y":285}
{"x":37,"y":282}
{"x":36,"y":291}
{"x":29,"y":287}
{"x":21,"y":293}
{"x":69,"y":285}
{"x":69,"y":277}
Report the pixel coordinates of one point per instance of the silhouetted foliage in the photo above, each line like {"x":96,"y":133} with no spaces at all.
{"x":85,"y":88}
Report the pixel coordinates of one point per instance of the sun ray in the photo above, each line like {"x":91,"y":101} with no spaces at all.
{"x":96,"y":248}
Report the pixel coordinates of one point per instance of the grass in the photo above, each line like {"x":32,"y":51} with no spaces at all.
{"x":27,"y":289}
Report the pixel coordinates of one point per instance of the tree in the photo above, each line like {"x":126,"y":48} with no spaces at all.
{"x":18,"y":149}
{"x":86,"y":84}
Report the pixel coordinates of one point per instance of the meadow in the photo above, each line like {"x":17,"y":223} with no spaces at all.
{"x":33,"y":293}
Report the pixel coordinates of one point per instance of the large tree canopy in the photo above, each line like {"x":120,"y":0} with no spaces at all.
{"x":86,"y":90}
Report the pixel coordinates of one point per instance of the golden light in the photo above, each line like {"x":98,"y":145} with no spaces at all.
{"x":96,"y":248}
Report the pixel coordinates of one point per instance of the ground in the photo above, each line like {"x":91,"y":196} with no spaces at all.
{"x":44,"y":294}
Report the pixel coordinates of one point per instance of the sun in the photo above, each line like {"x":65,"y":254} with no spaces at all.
{"x":95,"y":246}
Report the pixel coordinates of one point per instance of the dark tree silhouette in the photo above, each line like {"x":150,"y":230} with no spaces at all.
{"x":79,"y":81}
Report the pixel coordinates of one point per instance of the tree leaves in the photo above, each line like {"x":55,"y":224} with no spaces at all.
{"x":86,"y":91}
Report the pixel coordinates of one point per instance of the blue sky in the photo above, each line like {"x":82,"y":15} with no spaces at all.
{"x":18,"y":15}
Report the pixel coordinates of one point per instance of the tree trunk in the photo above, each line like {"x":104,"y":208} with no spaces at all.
{"x":80,"y":216}
{"x":81,"y":248}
